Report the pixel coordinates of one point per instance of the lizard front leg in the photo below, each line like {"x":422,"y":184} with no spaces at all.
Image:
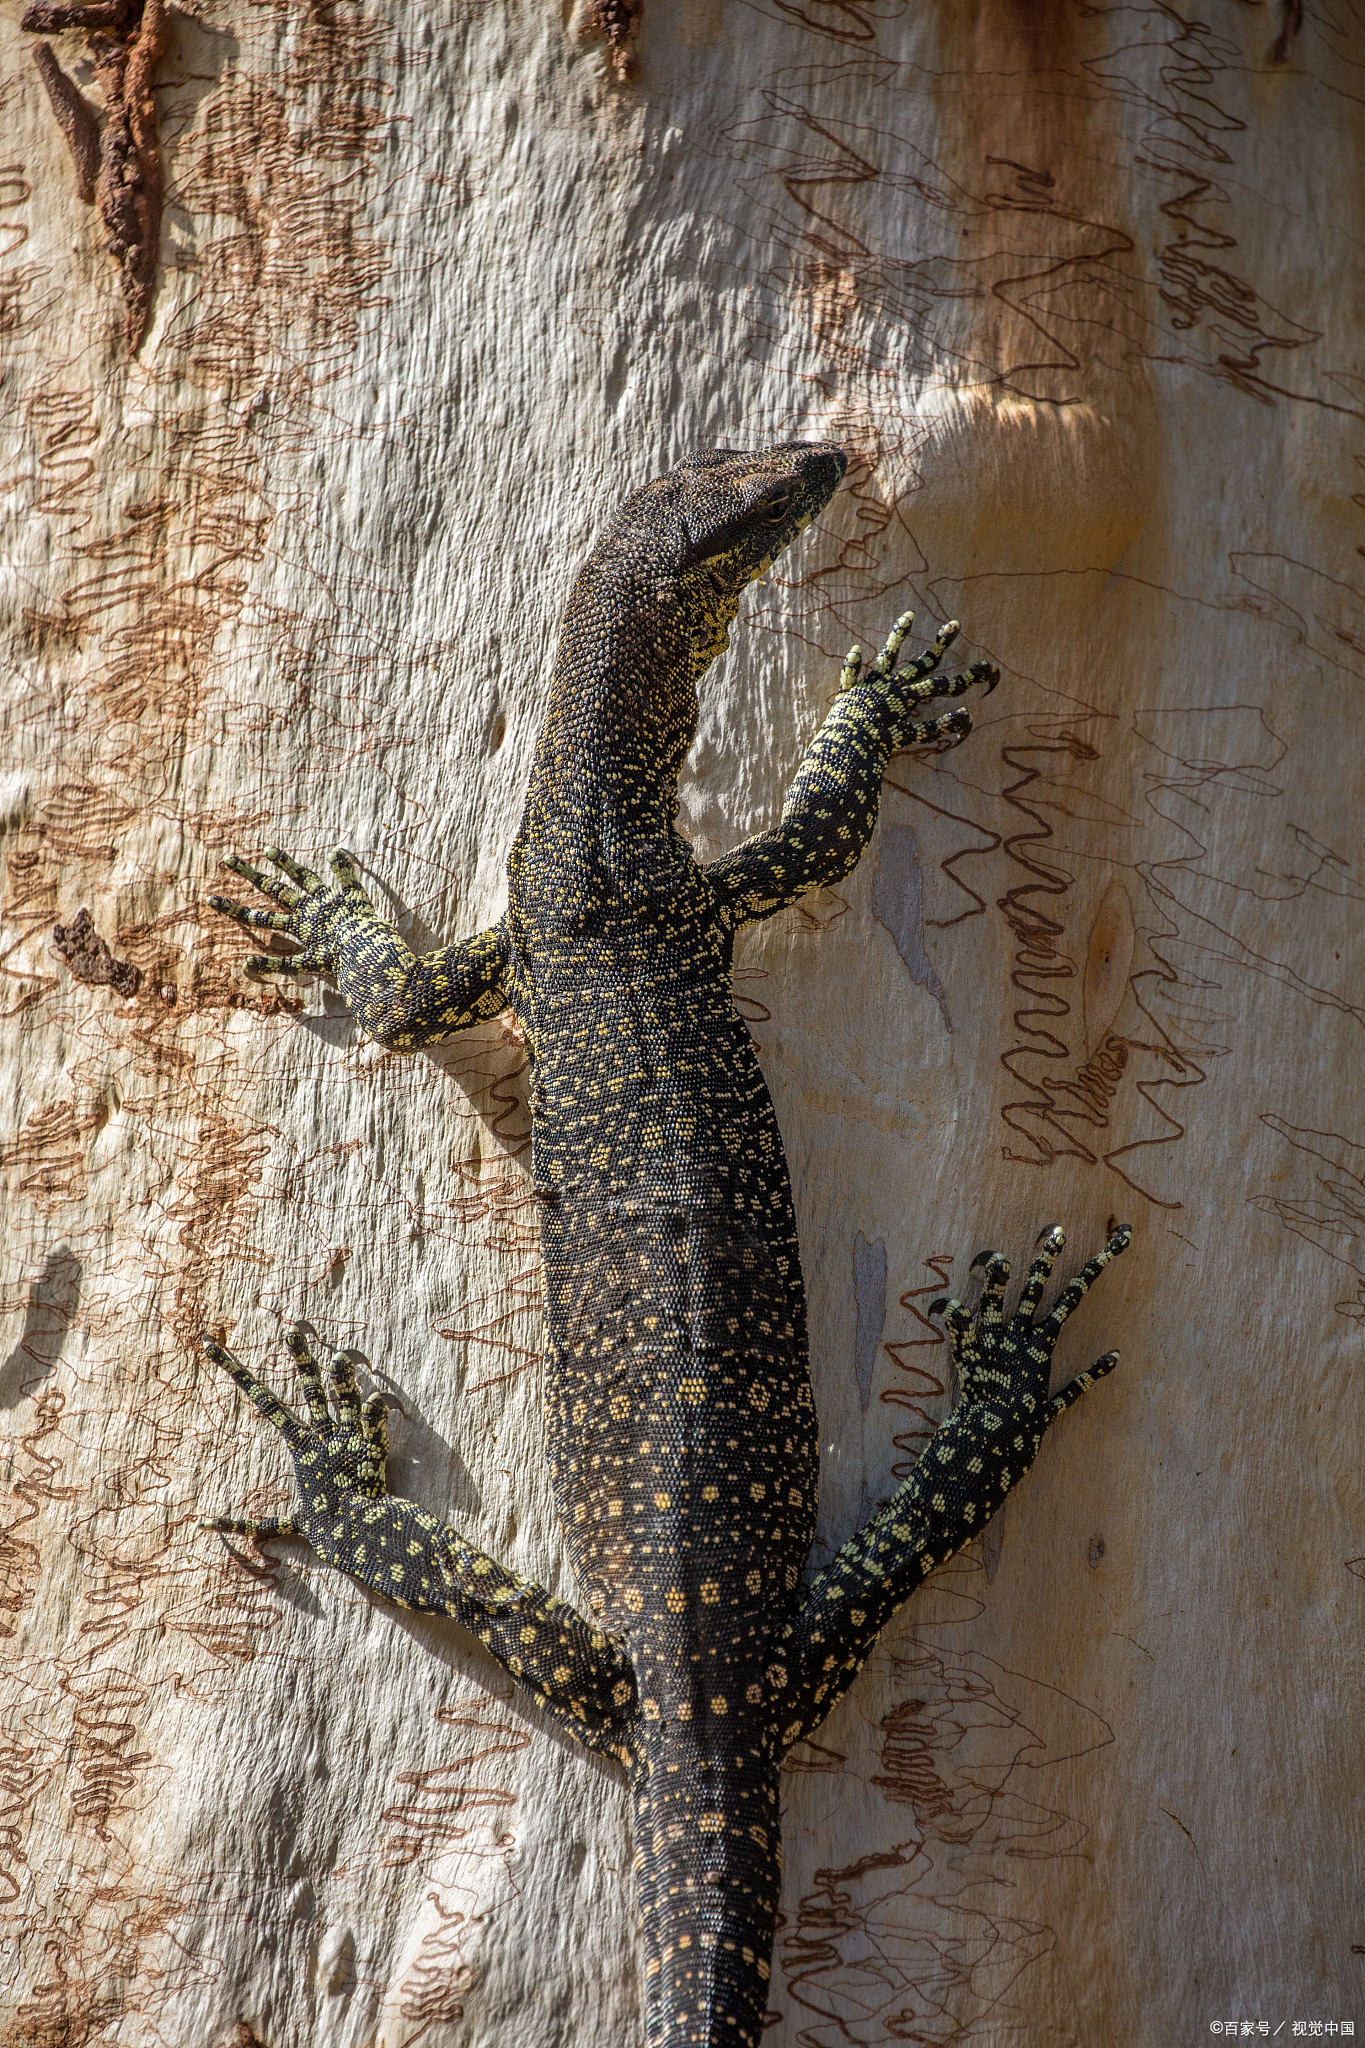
{"x":399,"y":999}
{"x":831,"y":807}
{"x":400,"y":1550}
{"x":969,"y":1466}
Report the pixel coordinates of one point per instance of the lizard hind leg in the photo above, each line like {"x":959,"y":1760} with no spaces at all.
{"x":400,"y":1550}
{"x":972,"y":1462}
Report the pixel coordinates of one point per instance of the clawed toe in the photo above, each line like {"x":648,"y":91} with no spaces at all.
{"x":270,"y":1525}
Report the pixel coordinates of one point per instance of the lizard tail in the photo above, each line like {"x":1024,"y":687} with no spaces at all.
{"x":708,"y":1863}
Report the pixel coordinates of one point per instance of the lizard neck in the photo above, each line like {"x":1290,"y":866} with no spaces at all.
{"x":623,"y":694}
{"x":597,"y":832}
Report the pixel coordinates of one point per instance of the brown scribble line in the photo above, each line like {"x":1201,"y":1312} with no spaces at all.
{"x":1340,"y":1216}
{"x":1185,"y":1832}
{"x":847,"y":168}
{"x":1077,"y":251}
{"x":1035,"y":199}
{"x":131,"y":610}
{"x":24,"y":1772}
{"x":432,"y":1814}
{"x":1190,"y":776}
{"x":949,"y":866}
{"x":924,"y":1384}
{"x":1185,"y":1073}
{"x":110,"y":1772}
{"x":1040,"y":958}
{"x":860,"y":25}
{"x":1185,"y":132}
{"x":438,"y":1979}
{"x":20,"y":312}
{"x":63,"y":420}
{"x":431,"y":1818}
{"x":524,"y":1289}
{"x":955,"y":1967}
{"x":1059,"y":1103}
{"x":1130,"y":300}
{"x":20,"y":1560}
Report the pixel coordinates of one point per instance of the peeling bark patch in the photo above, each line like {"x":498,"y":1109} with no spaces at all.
{"x":75,"y":117}
{"x":898,"y":903}
{"x":118,"y":168}
{"x":869,"y":1291}
{"x":1282,"y":49}
{"x":617,"y":22}
{"x":90,"y":960}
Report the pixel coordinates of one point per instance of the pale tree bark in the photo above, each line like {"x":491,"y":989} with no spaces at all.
{"x":1080,"y":288}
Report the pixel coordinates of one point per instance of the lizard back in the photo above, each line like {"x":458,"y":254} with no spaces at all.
{"x":680,"y":1426}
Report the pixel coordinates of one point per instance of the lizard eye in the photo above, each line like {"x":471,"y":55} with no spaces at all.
{"x":778,"y":508}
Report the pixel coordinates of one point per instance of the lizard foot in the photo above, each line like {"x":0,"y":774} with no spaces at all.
{"x":319,"y":916}
{"x":905,"y":689}
{"x":335,"y":1459}
{"x":1008,"y":1362}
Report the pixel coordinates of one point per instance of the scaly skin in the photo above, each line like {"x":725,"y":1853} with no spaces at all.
{"x":680,"y":1427}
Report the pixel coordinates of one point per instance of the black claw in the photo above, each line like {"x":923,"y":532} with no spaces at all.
{"x":983,"y":1259}
{"x":936,"y":1308}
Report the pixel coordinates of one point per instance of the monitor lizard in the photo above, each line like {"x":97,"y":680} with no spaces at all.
{"x":679,"y":1420}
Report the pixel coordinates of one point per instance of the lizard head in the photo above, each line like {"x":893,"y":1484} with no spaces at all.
{"x":715,"y":522}
{"x":736,"y":512}
{"x":648,"y":613}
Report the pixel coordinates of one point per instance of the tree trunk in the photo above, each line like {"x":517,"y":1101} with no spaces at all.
{"x":1080,"y":290}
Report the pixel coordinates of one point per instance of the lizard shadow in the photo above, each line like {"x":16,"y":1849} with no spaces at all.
{"x":426,"y":1466}
{"x":483,"y":1185}
{"x":53,"y":1298}
{"x":275,"y":1563}
{"x":448,"y":1643}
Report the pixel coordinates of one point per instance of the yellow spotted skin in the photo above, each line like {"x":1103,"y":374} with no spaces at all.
{"x":680,"y":1426}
